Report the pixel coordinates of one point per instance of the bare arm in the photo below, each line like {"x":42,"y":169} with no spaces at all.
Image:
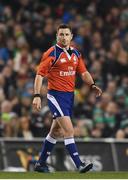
{"x":87,"y":78}
{"x":38,"y":84}
{"x":37,"y":88}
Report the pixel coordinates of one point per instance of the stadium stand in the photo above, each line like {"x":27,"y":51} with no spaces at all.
{"x":27,"y":29}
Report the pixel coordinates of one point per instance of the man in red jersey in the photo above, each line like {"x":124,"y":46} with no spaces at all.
{"x":60,"y":64}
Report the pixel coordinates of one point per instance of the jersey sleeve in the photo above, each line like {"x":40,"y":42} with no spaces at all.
{"x":46,"y":62}
{"x":81,"y":68}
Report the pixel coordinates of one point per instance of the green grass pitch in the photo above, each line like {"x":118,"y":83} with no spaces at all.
{"x":64,"y":175}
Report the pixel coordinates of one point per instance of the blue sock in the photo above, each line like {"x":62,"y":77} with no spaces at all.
{"x":72,"y":149}
{"x":47,"y":148}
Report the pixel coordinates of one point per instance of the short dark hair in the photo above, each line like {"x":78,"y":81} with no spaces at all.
{"x":64,"y":26}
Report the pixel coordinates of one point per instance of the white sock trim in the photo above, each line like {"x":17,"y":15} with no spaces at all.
{"x":69,"y":141}
{"x":51,"y":139}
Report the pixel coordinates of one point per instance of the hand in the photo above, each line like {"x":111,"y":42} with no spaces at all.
{"x":37,"y":103}
{"x":97,"y":90}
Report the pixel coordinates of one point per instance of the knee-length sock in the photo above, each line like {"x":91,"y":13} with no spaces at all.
{"x":46,"y":149}
{"x":72,"y":149}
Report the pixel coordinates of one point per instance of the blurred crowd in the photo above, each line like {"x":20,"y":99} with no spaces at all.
{"x":100,"y":28}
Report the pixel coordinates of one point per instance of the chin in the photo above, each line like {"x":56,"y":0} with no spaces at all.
{"x":64,"y":44}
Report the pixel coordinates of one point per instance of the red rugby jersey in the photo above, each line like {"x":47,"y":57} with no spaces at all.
{"x":60,"y":68}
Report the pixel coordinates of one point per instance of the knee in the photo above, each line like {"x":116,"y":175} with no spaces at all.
{"x":68,"y":132}
{"x":57,"y":133}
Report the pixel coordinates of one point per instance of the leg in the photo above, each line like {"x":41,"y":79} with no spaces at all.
{"x":56,"y":130}
{"x":66,"y":124}
{"x":50,"y":141}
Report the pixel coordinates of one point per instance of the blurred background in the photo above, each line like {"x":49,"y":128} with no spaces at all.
{"x":100,"y":28}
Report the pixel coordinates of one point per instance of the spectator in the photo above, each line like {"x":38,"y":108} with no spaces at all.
{"x":24,"y":128}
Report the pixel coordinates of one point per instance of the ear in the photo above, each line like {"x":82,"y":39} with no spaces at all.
{"x":56,"y":36}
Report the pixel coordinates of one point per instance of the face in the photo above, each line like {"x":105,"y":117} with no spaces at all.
{"x":64,"y":37}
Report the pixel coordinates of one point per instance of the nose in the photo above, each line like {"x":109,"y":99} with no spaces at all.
{"x":64,"y":37}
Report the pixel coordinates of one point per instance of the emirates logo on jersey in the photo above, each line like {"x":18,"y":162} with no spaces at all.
{"x":70,"y":72}
{"x":62,"y":60}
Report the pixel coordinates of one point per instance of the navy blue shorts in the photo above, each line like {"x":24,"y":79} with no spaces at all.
{"x":60,"y":103}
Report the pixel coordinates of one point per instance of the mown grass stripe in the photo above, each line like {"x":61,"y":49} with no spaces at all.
{"x":64,"y":175}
